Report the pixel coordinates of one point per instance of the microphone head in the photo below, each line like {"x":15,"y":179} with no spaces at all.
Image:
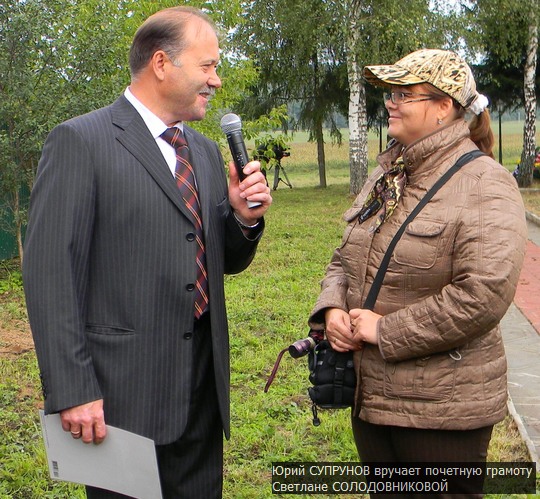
{"x":231,"y":123}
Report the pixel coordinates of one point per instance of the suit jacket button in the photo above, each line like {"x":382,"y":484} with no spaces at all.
{"x":190,"y":236}
{"x":188,"y":336}
{"x":190,"y":287}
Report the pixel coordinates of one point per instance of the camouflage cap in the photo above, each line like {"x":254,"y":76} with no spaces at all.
{"x":443,"y":69}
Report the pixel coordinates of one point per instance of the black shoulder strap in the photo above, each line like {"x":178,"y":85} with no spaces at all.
{"x":377,"y":282}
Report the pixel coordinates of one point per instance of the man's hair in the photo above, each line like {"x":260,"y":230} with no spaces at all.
{"x":165,"y":31}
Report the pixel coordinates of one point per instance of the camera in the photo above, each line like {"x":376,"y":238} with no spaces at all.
{"x":302,"y":347}
{"x":298,"y":349}
{"x":270,"y":150}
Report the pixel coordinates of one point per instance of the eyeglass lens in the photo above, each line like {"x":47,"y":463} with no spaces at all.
{"x":401,"y":97}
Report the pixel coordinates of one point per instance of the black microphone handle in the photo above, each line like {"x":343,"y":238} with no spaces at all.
{"x":240,"y":157}
{"x":238,"y":151}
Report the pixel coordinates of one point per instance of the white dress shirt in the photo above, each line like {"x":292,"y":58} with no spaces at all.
{"x":156,"y":127}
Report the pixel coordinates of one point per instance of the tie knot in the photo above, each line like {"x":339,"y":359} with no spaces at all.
{"x":175,"y":137}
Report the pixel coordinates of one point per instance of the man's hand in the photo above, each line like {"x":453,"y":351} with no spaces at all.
{"x":252,"y":188}
{"x":86,"y":421}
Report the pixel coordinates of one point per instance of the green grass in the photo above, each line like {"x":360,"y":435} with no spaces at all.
{"x":268,"y":307}
{"x":531,"y":198}
{"x":24,"y":473}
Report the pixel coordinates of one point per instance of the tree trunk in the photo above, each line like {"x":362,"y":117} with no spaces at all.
{"x":320,"y":153}
{"x":500,"y":139}
{"x":357,"y":105}
{"x":525,"y":175}
{"x":318,"y":126}
{"x":17,"y":216}
{"x":20,"y":245}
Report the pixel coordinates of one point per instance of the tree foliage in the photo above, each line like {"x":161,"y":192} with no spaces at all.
{"x":298,"y":51}
{"x":55,"y":61}
{"x":510,"y":65}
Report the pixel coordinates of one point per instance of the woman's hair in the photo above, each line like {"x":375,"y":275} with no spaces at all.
{"x":165,"y":30}
{"x":479,"y":125}
{"x":481,"y":133}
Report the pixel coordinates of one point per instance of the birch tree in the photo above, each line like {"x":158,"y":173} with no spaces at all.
{"x":358,"y":151}
{"x":381,"y":32}
{"x":510,"y":45}
{"x":525,"y":175}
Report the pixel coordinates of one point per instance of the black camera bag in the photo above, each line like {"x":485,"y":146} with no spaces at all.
{"x":333,"y":377}
{"x":332,"y":373}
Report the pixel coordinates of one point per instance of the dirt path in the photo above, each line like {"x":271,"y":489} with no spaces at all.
{"x":15,"y":338}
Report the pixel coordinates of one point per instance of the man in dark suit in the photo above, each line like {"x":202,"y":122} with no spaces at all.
{"x":112,"y":255}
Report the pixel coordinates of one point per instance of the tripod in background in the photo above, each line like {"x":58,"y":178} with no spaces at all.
{"x":271,"y":153}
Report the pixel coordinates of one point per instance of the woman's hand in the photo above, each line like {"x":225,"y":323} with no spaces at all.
{"x":364,"y":325}
{"x":338,"y":330}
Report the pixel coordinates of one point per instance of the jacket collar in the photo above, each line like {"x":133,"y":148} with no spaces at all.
{"x":428,"y":152}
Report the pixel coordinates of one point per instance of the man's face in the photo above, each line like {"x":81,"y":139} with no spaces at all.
{"x":192,"y":78}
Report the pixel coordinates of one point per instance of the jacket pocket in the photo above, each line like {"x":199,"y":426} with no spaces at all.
{"x":108,"y":330}
{"x":427,"y":379}
{"x":420,"y":244}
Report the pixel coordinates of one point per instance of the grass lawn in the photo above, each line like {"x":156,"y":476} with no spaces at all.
{"x":268,"y":306}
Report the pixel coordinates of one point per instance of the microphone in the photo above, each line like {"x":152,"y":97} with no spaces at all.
{"x":232,"y":128}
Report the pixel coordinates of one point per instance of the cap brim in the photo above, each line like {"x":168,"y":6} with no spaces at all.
{"x":386,"y":76}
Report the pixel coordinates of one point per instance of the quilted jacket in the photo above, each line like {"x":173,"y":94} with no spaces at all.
{"x":440,"y":361}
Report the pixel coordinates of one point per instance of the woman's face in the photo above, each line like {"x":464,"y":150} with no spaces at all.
{"x":415,"y":114}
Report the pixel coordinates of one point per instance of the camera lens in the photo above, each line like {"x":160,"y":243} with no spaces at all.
{"x":301,"y":347}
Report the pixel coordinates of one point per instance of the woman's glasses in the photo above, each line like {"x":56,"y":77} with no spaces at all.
{"x":405,"y":97}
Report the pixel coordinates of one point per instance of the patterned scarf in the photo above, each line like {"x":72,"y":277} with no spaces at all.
{"x":385,"y":195}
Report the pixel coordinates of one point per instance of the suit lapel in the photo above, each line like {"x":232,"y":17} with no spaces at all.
{"x":134,"y":135}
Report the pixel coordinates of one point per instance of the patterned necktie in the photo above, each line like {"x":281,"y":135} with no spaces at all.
{"x":185,"y":179}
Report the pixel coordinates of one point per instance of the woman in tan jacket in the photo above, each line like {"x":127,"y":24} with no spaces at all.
{"x":430,"y":361}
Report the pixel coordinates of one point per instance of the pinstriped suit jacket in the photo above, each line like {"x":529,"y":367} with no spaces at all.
{"x":109,"y":257}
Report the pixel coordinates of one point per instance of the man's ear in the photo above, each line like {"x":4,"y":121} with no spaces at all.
{"x":158,"y":63}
